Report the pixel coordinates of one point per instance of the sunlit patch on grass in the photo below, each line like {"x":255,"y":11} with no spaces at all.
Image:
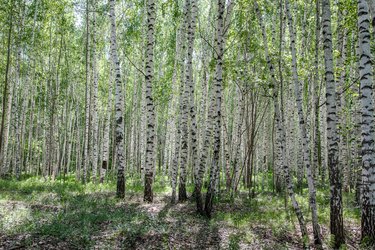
{"x":14,"y":216}
{"x":90,"y":215}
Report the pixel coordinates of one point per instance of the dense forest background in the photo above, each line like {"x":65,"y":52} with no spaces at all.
{"x":163,"y":124}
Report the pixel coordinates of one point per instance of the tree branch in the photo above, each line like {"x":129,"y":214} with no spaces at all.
{"x":141,"y":71}
{"x":342,"y":92}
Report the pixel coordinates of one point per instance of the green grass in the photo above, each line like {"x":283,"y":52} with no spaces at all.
{"x":73,"y":212}
{"x":80,"y":215}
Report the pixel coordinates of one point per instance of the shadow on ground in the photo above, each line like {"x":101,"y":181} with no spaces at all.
{"x":69,"y":220}
{"x":55,"y":215}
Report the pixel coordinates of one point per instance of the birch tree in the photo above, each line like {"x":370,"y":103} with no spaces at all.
{"x":336,"y":219}
{"x":94,"y":155}
{"x":7,"y":102}
{"x":87,"y":98}
{"x":107,"y":123}
{"x":149,"y":74}
{"x":216,"y":104}
{"x":119,"y":105}
{"x":368,"y":125}
{"x":281,"y":134}
{"x":190,"y":81}
{"x":303,"y":131}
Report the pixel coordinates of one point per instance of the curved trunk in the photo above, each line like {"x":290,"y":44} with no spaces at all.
{"x":303,"y":131}
{"x":280,"y":133}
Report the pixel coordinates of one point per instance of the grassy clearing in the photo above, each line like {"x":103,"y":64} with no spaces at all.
{"x":35,"y":213}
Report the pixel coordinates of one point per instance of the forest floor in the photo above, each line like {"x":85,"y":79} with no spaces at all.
{"x":39,"y":214}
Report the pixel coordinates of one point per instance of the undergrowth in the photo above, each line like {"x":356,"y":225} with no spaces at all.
{"x":78,"y":214}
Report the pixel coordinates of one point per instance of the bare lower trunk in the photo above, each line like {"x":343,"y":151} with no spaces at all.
{"x":368,"y":126}
{"x":150,"y":143}
{"x":119,"y":104}
{"x":216,"y":103}
{"x":303,"y":130}
{"x":336,"y":219}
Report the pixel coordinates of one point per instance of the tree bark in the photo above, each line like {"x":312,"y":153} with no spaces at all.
{"x":280,"y":133}
{"x":94,"y":103}
{"x":7,"y":102}
{"x":150,"y":134}
{"x":87,"y":99}
{"x":216,"y":103}
{"x":336,"y":219}
{"x":119,"y":105}
{"x":303,"y":131}
{"x":368,"y":126}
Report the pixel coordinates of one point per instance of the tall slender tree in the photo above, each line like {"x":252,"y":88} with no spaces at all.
{"x":86,"y":156}
{"x":107,"y":123}
{"x":7,"y":101}
{"x":336,"y":217}
{"x":368,"y":125}
{"x":216,"y":103}
{"x":94,"y":115}
{"x":149,"y":76}
{"x":280,"y":133}
{"x":119,"y":105}
{"x":303,"y":130}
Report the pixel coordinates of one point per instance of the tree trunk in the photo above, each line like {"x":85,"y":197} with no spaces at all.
{"x":119,"y":105}
{"x":7,"y":103}
{"x":280,"y":133}
{"x":94,"y":103}
{"x":150,"y":134}
{"x":107,"y":123}
{"x":87,"y":99}
{"x":336,"y":219}
{"x":190,"y":81}
{"x":216,"y":103}
{"x":368,"y":126}
{"x":303,"y":131}
{"x":317,"y":157}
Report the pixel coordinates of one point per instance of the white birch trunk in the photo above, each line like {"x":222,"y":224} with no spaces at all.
{"x":150,"y":134}
{"x":280,"y":133}
{"x":119,"y":105}
{"x":303,"y":131}
{"x":336,"y":219}
{"x":368,"y":125}
{"x":107,"y":123}
{"x":216,"y":104}
{"x":94,"y":103}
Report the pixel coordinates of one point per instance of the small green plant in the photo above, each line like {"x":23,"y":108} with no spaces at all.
{"x":234,"y":242}
{"x":367,"y":243}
